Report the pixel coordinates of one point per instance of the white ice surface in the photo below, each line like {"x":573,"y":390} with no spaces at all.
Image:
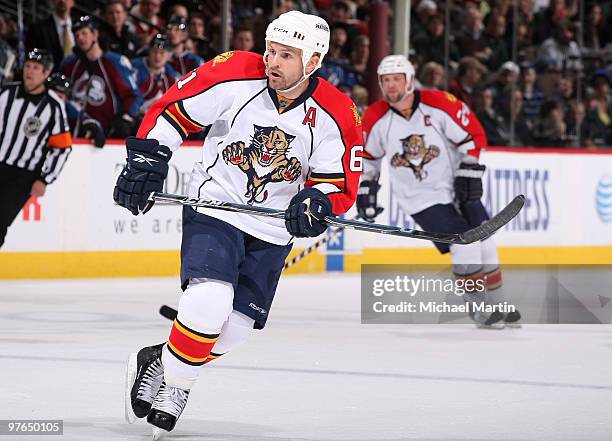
{"x":314,"y":373}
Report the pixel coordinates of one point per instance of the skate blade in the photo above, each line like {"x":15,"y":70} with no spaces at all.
{"x":130,"y":377}
{"x":515,"y":325}
{"x":158,"y":433}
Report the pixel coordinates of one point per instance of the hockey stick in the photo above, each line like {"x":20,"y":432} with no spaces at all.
{"x":478,"y":233}
{"x":170,"y":313}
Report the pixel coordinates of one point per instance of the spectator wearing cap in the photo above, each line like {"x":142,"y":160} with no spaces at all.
{"x":504,"y":78}
{"x":154,"y":75}
{"x":182,"y":60}
{"x":34,"y":138}
{"x":146,"y":20}
{"x":117,"y":34}
{"x":600,"y":109}
{"x":469,"y":76}
{"x":104,"y":82}
{"x":54,"y":33}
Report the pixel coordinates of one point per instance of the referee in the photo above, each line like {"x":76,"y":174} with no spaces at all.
{"x":35,"y":139}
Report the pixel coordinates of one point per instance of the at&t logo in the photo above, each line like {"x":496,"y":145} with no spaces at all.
{"x":603,"y":198}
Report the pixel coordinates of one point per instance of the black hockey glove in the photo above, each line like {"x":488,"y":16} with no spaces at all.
{"x":145,"y":171}
{"x":367,"y":207}
{"x":468,"y":182}
{"x":122,"y":126}
{"x":305,"y":213}
{"x":92,"y":129}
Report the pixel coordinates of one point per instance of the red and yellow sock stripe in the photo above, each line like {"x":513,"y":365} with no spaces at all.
{"x":493,"y":279}
{"x":189,"y":346}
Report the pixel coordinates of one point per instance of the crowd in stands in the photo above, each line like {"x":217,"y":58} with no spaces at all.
{"x":534,"y":74}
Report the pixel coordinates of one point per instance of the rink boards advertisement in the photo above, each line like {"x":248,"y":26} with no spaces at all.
{"x":76,"y":229}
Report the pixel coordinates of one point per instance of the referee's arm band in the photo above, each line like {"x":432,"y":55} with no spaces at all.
{"x":60,"y":141}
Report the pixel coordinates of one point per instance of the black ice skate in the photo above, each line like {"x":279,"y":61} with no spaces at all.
{"x":512,"y":319}
{"x":145,"y":374}
{"x":167,"y":408}
{"x":484,"y":320}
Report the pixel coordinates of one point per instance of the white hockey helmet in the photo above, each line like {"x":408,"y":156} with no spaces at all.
{"x":302,"y":31}
{"x":392,"y":64}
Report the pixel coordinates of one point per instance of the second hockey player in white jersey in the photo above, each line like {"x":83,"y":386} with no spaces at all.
{"x":432,"y":142}
{"x":275,"y":137}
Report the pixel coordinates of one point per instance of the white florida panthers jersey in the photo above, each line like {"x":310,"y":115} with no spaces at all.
{"x":424,"y":149}
{"x":255,"y":153}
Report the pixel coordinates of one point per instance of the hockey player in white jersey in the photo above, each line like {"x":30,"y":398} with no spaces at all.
{"x":275,"y":137}
{"x":432,"y":142}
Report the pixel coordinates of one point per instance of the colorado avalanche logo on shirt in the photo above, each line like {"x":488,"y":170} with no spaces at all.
{"x":265,"y":160}
{"x":31,"y":127}
{"x":415,"y":155}
{"x":96,"y":93}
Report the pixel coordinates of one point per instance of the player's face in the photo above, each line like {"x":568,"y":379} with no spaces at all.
{"x":85,"y":38}
{"x":158,"y":57}
{"x":393,"y":87}
{"x":34,"y":75}
{"x":176,"y":35}
{"x":284,"y":65}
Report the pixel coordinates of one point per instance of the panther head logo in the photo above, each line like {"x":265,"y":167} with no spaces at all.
{"x":264,"y":160}
{"x":415,"y":154}
{"x":270,"y":143}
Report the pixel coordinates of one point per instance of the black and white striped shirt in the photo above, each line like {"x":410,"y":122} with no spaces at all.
{"x":34,"y":132}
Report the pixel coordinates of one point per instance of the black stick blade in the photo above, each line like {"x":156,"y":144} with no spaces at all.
{"x":168,"y":312}
{"x":489,"y":228}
